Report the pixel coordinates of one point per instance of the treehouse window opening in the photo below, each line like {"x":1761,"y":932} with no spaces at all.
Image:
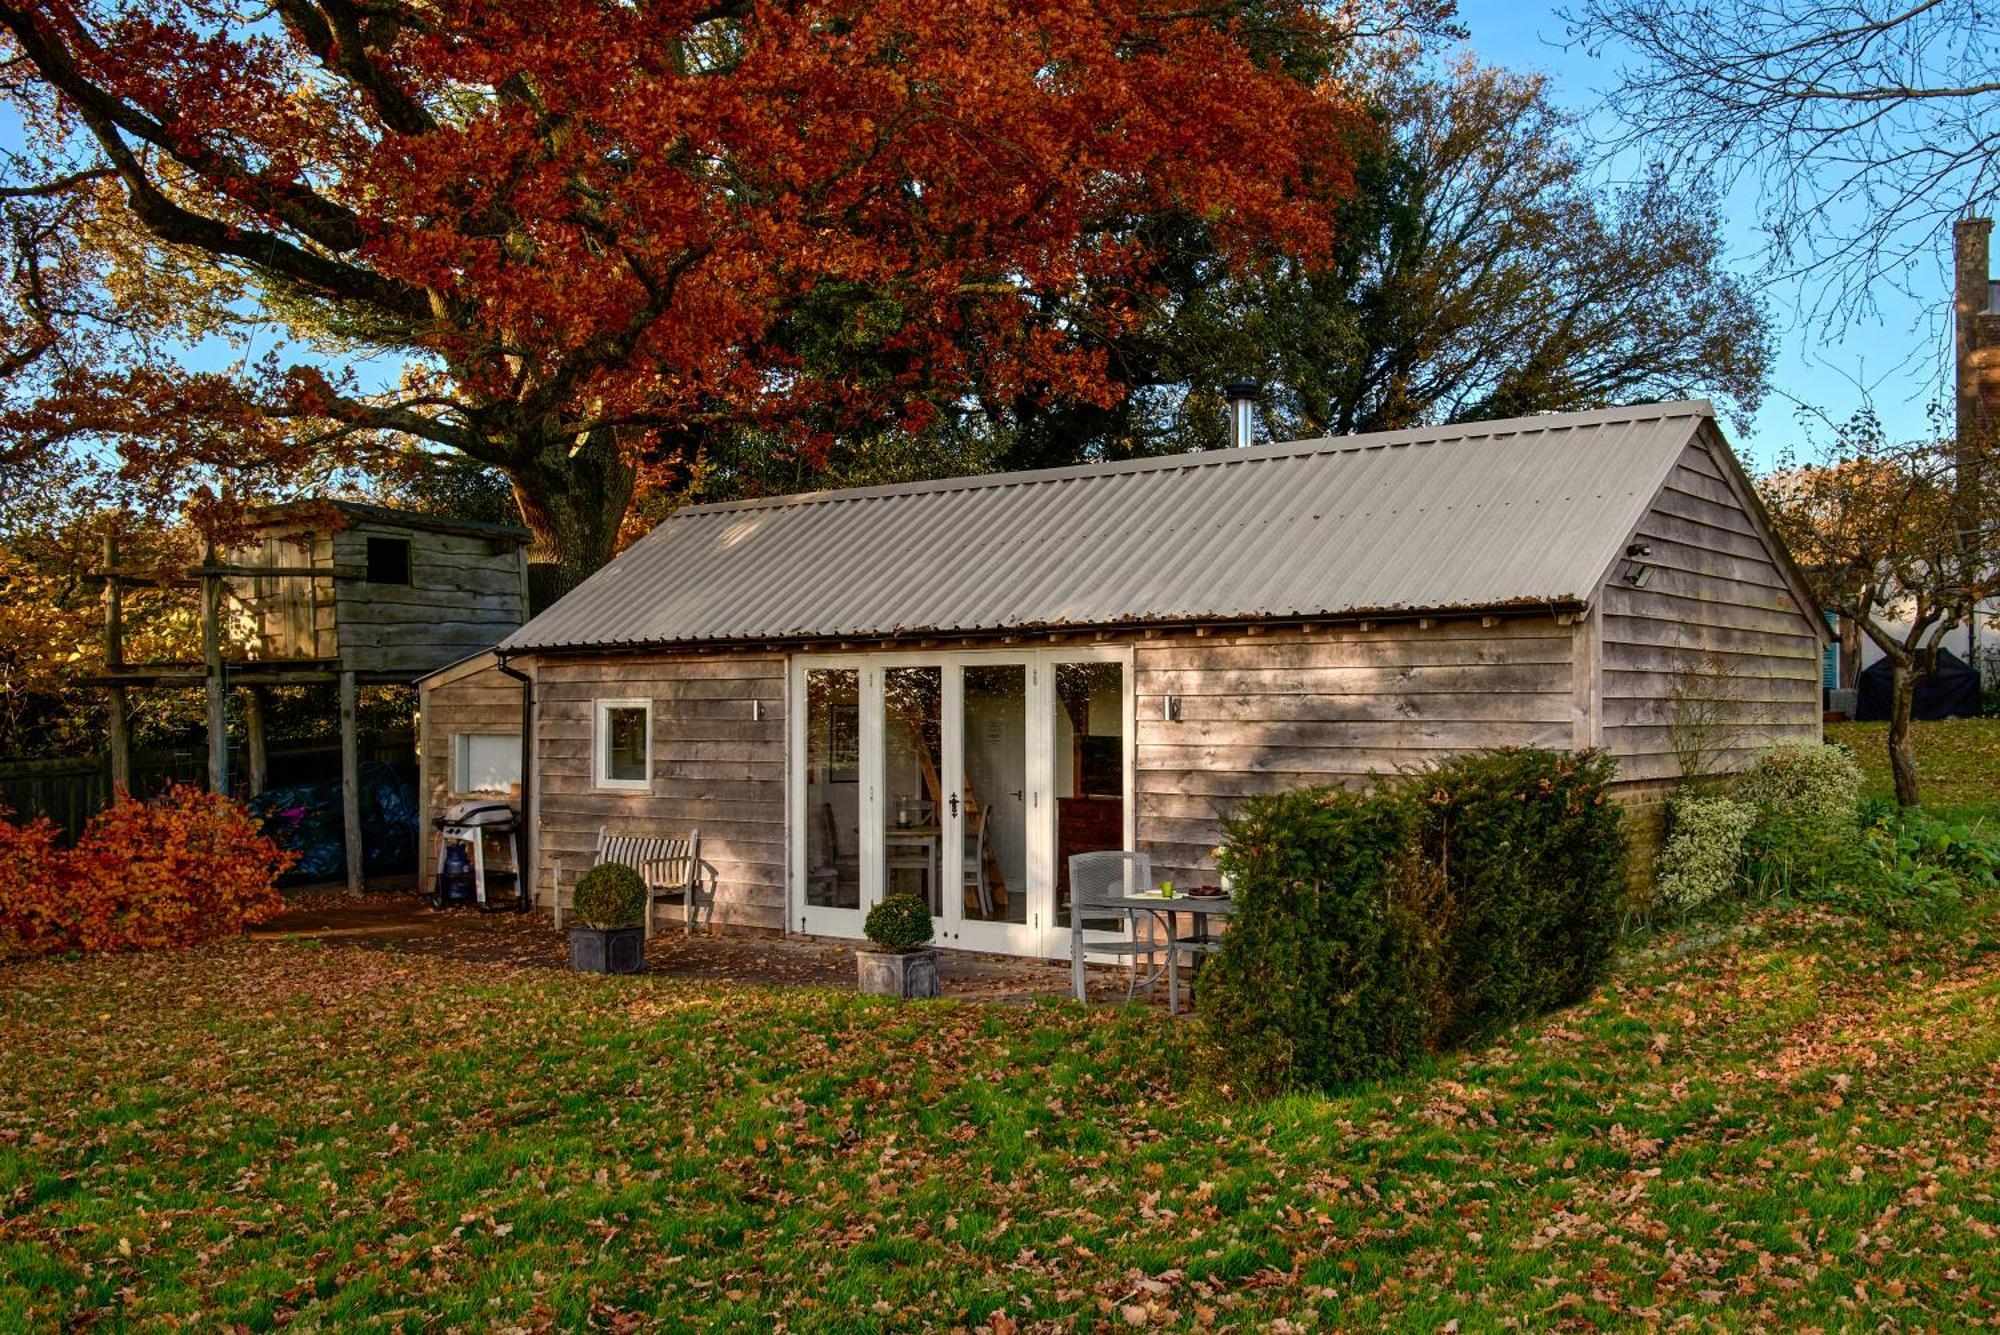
{"x":388,"y":560}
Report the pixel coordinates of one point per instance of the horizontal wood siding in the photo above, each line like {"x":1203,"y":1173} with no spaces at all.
{"x":465,"y":594}
{"x":716,"y":767}
{"x":1715,"y":588}
{"x":1267,"y":713}
{"x":479,"y":702}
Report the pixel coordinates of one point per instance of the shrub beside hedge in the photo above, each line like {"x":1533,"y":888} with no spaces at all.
{"x":1792,"y":829}
{"x":1373,"y":927}
{"x":1533,"y":855}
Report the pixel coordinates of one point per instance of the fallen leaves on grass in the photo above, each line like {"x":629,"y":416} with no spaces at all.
{"x":1786,"y":1126}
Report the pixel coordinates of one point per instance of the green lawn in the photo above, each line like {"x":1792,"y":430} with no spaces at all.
{"x":1958,"y":762}
{"x":1786,"y":1122}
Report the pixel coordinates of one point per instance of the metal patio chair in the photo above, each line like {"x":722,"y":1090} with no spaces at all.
{"x":1097,"y":884}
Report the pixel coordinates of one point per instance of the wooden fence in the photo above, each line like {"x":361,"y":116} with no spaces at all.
{"x":70,"y":792}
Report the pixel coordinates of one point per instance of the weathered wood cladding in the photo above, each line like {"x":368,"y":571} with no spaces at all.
{"x":285,"y":617}
{"x":484,"y":701}
{"x":1267,"y":713}
{"x":465,"y":593}
{"x":717,"y":766}
{"x":1715,"y":588}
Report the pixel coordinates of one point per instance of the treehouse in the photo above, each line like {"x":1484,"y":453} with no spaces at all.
{"x":323,"y":592}
{"x":401,"y":594}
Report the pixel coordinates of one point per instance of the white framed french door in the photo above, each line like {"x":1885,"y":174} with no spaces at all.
{"x":964,"y":776}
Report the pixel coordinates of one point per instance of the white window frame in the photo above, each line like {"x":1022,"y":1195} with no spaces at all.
{"x":601,"y":746}
{"x":461,"y":755}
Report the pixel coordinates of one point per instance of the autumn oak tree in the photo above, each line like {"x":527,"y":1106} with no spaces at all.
{"x":588,"y":236}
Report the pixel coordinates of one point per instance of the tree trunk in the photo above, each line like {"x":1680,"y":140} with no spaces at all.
{"x":573,"y":501}
{"x":1902,"y":755}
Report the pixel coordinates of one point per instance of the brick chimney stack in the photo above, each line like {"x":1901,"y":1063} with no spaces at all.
{"x":1976,"y":303}
{"x":1978,"y":330}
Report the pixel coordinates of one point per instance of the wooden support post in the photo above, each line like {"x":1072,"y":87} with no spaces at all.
{"x":218,"y":698}
{"x":253,"y":737}
{"x":350,"y":780}
{"x":117,"y":718}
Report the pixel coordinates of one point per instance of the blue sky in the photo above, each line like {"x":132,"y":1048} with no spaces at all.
{"x":1891,"y":360}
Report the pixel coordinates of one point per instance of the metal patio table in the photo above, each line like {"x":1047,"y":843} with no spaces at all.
{"x":1169,"y":907}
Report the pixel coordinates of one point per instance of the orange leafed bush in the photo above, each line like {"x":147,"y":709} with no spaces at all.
{"x":184,"y":868}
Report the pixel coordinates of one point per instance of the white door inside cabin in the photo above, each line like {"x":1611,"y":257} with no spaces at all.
{"x":966,"y":777}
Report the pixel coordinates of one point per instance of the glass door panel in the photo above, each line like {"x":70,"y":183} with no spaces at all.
{"x":992,"y":886}
{"x":832,"y":792}
{"x":1089,"y":774}
{"x":966,"y":778}
{"x":912,"y":765}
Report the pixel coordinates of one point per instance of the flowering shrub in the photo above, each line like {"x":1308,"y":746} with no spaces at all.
{"x":1704,"y":845}
{"x":1806,"y":782}
{"x":183,"y":868}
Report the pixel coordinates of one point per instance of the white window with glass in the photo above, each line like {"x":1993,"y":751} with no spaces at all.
{"x":623,"y":745}
{"x":967,"y":778}
{"x":486,"y":762}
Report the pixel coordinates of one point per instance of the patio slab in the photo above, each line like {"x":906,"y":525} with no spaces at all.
{"x":406,"y":923}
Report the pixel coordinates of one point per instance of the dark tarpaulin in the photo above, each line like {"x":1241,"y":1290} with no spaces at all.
{"x":1951,"y":691}
{"x":306,"y":819}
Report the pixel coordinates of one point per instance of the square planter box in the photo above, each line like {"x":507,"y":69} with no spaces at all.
{"x":883,"y":973}
{"x":616,"y":950}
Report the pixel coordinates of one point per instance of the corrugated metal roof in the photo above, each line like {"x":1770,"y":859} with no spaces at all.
{"x":1527,"y":511}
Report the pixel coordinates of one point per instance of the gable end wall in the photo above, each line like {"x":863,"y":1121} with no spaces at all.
{"x":1715,"y":587}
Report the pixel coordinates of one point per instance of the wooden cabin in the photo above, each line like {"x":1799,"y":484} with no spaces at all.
{"x":404,"y":593}
{"x":950,"y":687}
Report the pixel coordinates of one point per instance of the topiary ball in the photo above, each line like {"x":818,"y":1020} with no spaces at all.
{"x":610,"y":896}
{"x":899,"y":923}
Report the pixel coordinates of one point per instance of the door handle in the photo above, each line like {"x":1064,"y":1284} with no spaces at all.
{"x":954,"y":805}
{"x":1016,"y":794}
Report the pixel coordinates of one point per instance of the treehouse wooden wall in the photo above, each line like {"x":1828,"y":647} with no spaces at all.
{"x":285,"y":617}
{"x":465,"y":593}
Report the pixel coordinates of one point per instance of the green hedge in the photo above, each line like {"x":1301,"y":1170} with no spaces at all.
{"x":1371,"y":928}
{"x":1317,"y":980}
{"x":1533,"y":855}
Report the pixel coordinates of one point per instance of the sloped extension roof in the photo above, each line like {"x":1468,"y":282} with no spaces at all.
{"x":1486,"y":515}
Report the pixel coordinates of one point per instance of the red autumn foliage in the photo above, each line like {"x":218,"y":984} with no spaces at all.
{"x":596,"y":234}
{"x":184,"y":868}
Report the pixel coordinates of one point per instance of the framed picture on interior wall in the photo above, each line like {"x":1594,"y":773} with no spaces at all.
{"x":843,"y":743}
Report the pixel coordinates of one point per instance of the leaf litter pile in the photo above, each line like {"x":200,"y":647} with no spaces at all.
{"x":1785,"y":1122}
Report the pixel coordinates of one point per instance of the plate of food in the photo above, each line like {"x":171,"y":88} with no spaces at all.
{"x":1208,"y":892}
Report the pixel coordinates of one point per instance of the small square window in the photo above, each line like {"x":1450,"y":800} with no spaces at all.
{"x":624,"y":743}
{"x":486,"y":762}
{"x":388,"y":560}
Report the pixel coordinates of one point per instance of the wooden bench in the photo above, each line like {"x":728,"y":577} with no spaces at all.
{"x":670,"y":865}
